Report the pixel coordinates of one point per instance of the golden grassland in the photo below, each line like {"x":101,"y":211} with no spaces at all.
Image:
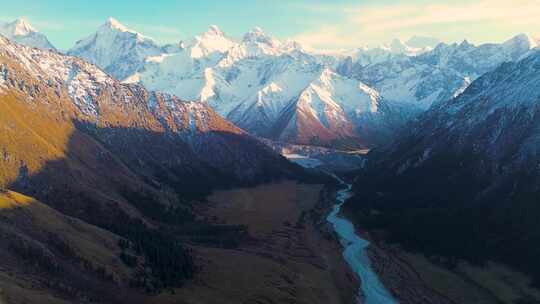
{"x":33,"y":139}
{"x":266,"y":207}
{"x":10,"y":200}
{"x":28,"y":136}
{"x":283,"y":264}
{"x":24,"y":218}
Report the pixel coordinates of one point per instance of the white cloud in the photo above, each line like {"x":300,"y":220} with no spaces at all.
{"x":391,"y":17}
{"x":374,"y":24}
{"x":36,"y":23}
{"x":162,"y":33}
{"x":324,"y":36}
{"x":160,"y":29}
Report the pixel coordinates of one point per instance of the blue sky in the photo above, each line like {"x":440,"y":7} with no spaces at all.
{"x":324,"y":24}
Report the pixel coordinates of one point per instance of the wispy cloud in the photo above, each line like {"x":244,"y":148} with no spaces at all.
{"x":48,"y":25}
{"x":324,"y":36}
{"x":391,"y":17}
{"x":36,"y":22}
{"x":374,"y":23}
{"x":161,"y":32}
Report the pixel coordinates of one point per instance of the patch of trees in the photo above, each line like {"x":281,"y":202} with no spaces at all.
{"x":149,"y":205}
{"x":181,"y":222}
{"x":170,"y":261}
{"x":129,"y":259}
{"x":197,"y":183}
{"x":34,"y":254}
{"x":162,"y":249}
{"x":194,"y":183}
{"x":220,"y":236}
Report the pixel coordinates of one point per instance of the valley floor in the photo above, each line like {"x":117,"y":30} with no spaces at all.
{"x":291,"y":256}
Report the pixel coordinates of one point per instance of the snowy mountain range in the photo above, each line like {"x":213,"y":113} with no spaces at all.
{"x":52,"y":83}
{"x":437,"y":75}
{"x":270,"y":88}
{"x":283,"y":91}
{"x":496,"y":117}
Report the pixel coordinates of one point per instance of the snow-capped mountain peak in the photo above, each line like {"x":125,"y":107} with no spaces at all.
{"x":21,"y":31}
{"x":258,"y":36}
{"x":117,"y":49}
{"x":21,"y":27}
{"x":212,"y":41}
{"x":293,"y":45}
{"x":534,"y":42}
{"x":109,"y":33}
{"x":520,"y":46}
{"x":115,"y":25}
{"x":253,"y":35}
{"x":255,"y":44}
{"x":214,"y":30}
{"x":465,"y":45}
{"x":397,"y":46}
{"x":522,"y":41}
{"x":112,"y":26}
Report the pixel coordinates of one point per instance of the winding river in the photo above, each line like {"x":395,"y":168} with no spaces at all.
{"x":372,"y":290}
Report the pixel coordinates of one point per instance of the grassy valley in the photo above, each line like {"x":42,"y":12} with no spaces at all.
{"x":287,"y":254}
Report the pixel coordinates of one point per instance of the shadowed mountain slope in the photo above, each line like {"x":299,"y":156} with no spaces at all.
{"x":121,"y":166}
{"x":463,"y":180}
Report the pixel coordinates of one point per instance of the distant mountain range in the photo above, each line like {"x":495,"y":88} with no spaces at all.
{"x":279,"y":90}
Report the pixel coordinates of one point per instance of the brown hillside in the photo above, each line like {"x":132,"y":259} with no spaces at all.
{"x":117,"y":169}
